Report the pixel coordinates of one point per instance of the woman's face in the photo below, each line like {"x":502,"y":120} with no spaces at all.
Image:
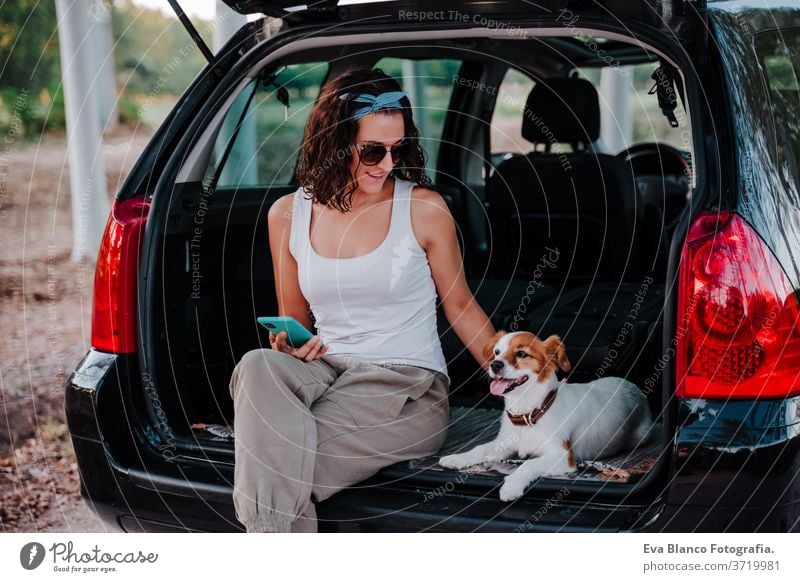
{"x":386,"y":129}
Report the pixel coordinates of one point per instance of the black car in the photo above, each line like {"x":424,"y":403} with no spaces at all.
{"x":671,"y":262}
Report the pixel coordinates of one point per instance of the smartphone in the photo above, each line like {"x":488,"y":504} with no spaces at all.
{"x":296,"y":333}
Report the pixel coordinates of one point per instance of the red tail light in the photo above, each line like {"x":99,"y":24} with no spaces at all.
{"x":738,"y":335}
{"x":114,"y":308}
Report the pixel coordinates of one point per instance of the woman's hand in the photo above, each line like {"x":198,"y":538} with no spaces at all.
{"x":311,"y":350}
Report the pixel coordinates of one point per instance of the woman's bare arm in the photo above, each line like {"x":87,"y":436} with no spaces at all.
{"x":435,"y":230}
{"x":284,"y":267}
{"x":287,"y":286}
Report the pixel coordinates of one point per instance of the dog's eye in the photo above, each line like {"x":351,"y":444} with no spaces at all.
{"x":496,"y":352}
{"x":521,"y":354}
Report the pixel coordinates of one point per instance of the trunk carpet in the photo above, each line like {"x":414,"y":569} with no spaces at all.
{"x":471,"y":426}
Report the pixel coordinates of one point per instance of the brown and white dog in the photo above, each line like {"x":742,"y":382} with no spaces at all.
{"x":552,"y":424}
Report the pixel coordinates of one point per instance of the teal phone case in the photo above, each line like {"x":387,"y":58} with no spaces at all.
{"x":296,"y":333}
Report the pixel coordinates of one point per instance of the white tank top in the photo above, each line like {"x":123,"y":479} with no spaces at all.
{"x":379,"y":307}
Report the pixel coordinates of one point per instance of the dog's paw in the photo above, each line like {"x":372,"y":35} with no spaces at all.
{"x":459,"y":461}
{"x":511,"y":490}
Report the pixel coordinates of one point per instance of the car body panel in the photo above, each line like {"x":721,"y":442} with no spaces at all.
{"x":766,"y":198}
{"x":732,"y":470}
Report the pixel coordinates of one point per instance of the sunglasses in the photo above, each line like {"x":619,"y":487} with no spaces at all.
{"x":372,"y":155}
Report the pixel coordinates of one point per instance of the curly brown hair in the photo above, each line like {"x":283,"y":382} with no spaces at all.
{"x":323,"y":167}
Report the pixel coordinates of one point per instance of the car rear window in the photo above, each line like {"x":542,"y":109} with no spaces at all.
{"x":641,"y":120}
{"x":266,"y":147}
{"x":779,"y":56}
{"x":265,"y":150}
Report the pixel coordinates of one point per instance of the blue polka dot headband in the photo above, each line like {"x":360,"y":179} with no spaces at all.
{"x":388,"y":100}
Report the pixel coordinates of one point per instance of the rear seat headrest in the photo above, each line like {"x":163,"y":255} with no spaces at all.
{"x":562,"y":111}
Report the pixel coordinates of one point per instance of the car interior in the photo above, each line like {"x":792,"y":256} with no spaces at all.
{"x":559,"y":235}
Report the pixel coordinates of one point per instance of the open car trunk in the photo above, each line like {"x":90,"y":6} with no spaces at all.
{"x":610,"y":328}
{"x":543,"y":273}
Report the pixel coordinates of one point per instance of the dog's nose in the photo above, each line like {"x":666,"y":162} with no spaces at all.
{"x":497,"y":365}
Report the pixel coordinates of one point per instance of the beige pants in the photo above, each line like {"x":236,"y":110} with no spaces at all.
{"x":305,"y":430}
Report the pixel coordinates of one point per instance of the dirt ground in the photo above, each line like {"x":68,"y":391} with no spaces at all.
{"x":45,"y":330}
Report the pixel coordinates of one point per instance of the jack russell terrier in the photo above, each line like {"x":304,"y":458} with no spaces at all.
{"x":550,"y":423}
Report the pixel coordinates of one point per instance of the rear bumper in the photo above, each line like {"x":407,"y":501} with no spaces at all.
{"x":728,"y":473}
{"x":130,"y":476}
{"x":136,"y":501}
{"x":736,"y":467}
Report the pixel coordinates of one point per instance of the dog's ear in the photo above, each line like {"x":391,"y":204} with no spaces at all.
{"x":555,"y":347}
{"x":488,"y":349}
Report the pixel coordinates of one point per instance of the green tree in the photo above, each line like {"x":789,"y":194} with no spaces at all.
{"x":28,"y":46}
{"x":30,"y":73}
{"x":153,"y":52}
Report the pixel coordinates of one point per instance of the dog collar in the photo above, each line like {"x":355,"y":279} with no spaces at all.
{"x":534,"y":415}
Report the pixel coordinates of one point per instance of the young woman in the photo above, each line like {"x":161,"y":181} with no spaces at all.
{"x":364,"y":246}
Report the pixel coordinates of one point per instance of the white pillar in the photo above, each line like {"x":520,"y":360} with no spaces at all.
{"x":616,"y":122}
{"x":414,"y":86}
{"x":226,"y":23}
{"x":90,"y":207}
{"x":103,"y":40}
{"x":241,"y":167}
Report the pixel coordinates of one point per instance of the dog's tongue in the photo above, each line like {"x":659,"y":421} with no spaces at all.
{"x":499,"y":386}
